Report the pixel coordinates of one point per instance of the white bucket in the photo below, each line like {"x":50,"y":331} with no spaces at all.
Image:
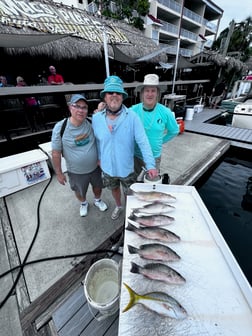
{"x":101,"y":286}
{"x":189,"y":114}
{"x":156,"y":180}
{"x":198,"y":108}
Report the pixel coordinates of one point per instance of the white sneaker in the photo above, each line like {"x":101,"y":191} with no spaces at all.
{"x":116,"y":213}
{"x":83,"y":210}
{"x":102,"y":206}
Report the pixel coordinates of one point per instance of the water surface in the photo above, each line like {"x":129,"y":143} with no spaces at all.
{"x":222,"y":192}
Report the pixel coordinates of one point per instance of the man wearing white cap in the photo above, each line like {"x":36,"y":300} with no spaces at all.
{"x":77,"y":144}
{"x":159,"y":122}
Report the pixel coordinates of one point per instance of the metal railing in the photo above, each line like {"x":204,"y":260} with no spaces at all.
{"x":192,"y":15}
{"x":187,"y":34}
{"x":171,"y":28}
{"x":171,"y":4}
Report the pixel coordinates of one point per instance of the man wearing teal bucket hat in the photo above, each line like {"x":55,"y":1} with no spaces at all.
{"x":116,"y":129}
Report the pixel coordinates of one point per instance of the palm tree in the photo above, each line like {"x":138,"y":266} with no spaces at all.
{"x":240,"y":40}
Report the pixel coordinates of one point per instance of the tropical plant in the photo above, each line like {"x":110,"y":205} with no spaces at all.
{"x":130,"y":10}
{"x":240,"y":39}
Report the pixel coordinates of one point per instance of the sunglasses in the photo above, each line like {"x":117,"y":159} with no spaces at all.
{"x":111,"y":93}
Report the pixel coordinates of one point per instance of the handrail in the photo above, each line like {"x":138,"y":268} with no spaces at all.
{"x":75,"y":88}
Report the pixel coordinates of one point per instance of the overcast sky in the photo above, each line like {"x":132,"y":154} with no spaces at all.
{"x":238,"y":10}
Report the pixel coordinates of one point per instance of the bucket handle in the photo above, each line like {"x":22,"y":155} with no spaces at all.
{"x":97,"y":317}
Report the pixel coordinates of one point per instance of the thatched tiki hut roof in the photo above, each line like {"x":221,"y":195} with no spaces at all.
{"x":81,"y":34}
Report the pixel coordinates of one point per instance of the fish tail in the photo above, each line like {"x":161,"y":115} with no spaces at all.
{"x":134,"y":268}
{"x":133,"y":298}
{"x":130,"y":227}
{"x":132,"y":249}
{"x":132,"y":217}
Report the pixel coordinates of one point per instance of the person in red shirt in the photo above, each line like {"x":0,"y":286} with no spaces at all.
{"x":54,"y":78}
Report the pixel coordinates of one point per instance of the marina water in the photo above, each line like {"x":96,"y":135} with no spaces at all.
{"x":222,"y":191}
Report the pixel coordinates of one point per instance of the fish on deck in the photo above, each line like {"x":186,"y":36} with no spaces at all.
{"x":158,"y":302}
{"x":155,"y":208}
{"x":152,"y":220}
{"x":160,"y":272}
{"x":154,"y":233}
{"x":154,"y":196}
{"x":155,"y":251}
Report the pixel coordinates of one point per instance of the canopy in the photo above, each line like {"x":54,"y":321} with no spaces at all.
{"x":26,"y":40}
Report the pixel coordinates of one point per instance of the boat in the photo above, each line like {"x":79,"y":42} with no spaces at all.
{"x":241,"y":92}
{"x":242,"y":117}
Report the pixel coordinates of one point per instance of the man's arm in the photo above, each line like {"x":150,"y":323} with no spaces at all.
{"x":56,"y":159}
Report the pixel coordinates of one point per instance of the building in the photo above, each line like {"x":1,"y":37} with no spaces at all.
{"x":194,"y":22}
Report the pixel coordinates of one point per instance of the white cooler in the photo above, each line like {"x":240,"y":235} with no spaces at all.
{"x":22,"y":170}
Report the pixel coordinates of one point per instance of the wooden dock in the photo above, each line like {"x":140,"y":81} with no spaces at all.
{"x":201,"y":124}
{"x":74,"y":317}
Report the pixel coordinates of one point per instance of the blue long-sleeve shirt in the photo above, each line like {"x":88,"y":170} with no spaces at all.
{"x":160,"y":126}
{"x":116,"y":140}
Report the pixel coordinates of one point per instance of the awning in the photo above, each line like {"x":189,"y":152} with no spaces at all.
{"x":26,"y":40}
{"x":121,"y":57}
{"x":153,"y":54}
{"x":183,"y":63}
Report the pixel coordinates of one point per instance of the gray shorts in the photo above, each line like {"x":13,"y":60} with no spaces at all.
{"x":80,"y":182}
{"x":113,"y":182}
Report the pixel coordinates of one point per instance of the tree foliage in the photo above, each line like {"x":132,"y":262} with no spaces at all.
{"x":124,"y":9}
{"x":240,"y":40}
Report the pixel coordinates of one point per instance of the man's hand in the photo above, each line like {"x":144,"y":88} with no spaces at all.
{"x":61,"y":178}
{"x":152,"y":173}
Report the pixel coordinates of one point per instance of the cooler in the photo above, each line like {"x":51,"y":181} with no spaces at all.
{"x":22,"y":170}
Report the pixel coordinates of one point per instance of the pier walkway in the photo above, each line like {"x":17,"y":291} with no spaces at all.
{"x":50,"y":211}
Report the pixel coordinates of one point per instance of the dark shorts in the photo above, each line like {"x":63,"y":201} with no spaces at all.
{"x":80,"y":182}
{"x":113,"y":182}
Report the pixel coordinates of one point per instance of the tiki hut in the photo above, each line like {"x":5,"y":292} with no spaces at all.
{"x":59,"y":34}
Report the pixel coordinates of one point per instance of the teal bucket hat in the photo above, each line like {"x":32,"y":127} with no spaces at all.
{"x":113,"y":84}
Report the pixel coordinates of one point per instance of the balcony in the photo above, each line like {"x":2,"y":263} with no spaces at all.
{"x":175,"y":6}
{"x":211,"y":26}
{"x":189,"y":35}
{"x":192,"y":15}
{"x":170,"y":28}
{"x":172,"y":50}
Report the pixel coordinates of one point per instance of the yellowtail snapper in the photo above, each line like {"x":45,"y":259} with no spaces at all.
{"x":155,"y":251}
{"x":158,"y":302}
